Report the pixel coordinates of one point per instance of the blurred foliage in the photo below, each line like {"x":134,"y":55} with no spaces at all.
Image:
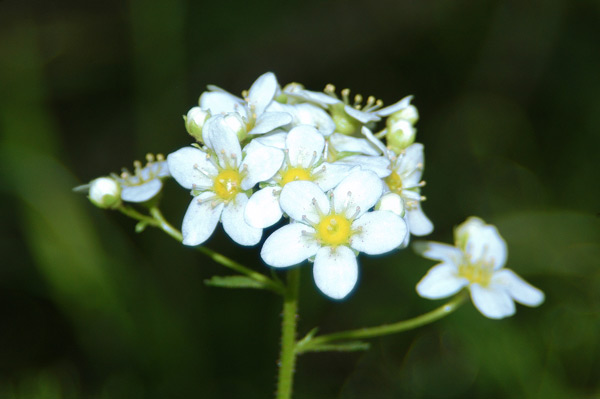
{"x":510,"y":118}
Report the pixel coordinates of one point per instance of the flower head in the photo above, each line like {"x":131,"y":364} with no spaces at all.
{"x":477,"y":262}
{"x":219,"y":177}
{"x":332,"y":229}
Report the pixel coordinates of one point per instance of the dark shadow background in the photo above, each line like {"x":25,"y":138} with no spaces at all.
{"x":510,"y":117}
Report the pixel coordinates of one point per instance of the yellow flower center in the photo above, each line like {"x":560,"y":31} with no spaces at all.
{"x":293,"y":174}
{"x":227,"y":184}
{"x":334,"y":230}
{"x":394,"y":182}
{"x":480,"y":273}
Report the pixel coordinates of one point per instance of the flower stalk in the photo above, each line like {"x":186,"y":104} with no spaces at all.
{"x":288,"y":354}
{"x":317,"y":343}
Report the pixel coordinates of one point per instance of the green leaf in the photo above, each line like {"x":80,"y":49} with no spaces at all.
{"x":236,"y":282}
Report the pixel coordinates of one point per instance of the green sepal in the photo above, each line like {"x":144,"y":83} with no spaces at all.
{"x":236,"y":282}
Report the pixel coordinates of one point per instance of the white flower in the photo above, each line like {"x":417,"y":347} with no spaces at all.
{"x":145,"y":182}
{"x":405,"y":180}
{"x":219,"y":178}
{"x":477,"y":262}
{"x":252,"y":109}
{"x":304,"y":161}
{"x":332,"y":229}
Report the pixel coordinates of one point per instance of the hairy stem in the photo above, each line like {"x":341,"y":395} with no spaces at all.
{"x":287,"y":358}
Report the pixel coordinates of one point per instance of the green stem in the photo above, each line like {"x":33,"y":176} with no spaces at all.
{"x":287,"y":358}
{"x":386,"y":329}
{"x":159,"y":221}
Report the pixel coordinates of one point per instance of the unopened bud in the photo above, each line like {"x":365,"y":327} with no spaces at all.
{"x":194,"y":121}
{"x":235,"y":123}
{"x":344,"y":123}
{"x":105,"y":192}
{"x":391,"y":202}
{"x":400,"y":134}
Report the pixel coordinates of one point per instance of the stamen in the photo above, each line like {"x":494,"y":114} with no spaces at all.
{"x":313,"y":159}
{"x":149,"y":158}
{"x":160,"y":157}
{"x":345,"y":96}
{"x":356,"y":213}
{"x":357,"y":100}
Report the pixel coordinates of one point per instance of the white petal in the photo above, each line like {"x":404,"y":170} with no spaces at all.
{"x":261,"y":163}
{"x":335,"y":271}
{"x":485,"y":243}
{"x":361,"y":116}
{"x":270,"y":121}
{"x":328,"y":175}
{"x":220,"y":102}
{"x":410,"y":165}
{"x":309,"y":114}
{"x":361,"y":189}
{"x":200,"y":219}
{"x":374,"y":140}
{"x":190,"y":166}
{"x":438,"y":251}
{"x":141,"y":193}
{"x":300,"y":198}
{"x":519,"y":289}
{"x":275,"y":139}
{"x":418,"y":223}
{"x":391,"y":202}
{"x":223,"y":140}
{"x":376,"y":164}
{"x":343,"y":143}
{"x":441,"y":281}
{"x":263,"y":208}
{"x":492,"y":301}
{"x":305,"y":144}
{"x":390,"y":109}
{"x":262,"y":91}
{"x":235,"y":225}
{"x":380,"y":232}
{"x":311,"y":96}
{"x":289,"y":245}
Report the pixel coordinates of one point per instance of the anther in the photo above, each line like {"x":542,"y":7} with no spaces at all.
{"x":149,"y":157}
{"x":357,"y":100}
{"x":160,"y":157}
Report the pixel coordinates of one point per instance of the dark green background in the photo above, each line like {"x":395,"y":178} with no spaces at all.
{"x":509,"y":96}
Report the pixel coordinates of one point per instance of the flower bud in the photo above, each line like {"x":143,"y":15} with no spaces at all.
{"x":410,"y":114}
{"x":344,"y":123}
{"x":235,"y":123}
{"x":400,"y":134}
{"x":194,"y":121}
{"x":391,"y":202}
{"x":105,"y":192}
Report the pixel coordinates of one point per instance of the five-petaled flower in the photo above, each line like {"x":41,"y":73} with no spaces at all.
{"x":477,"y":262}
{"x":332,"y":228}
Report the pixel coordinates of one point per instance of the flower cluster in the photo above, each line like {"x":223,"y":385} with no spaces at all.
{"x":314,"y":158}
